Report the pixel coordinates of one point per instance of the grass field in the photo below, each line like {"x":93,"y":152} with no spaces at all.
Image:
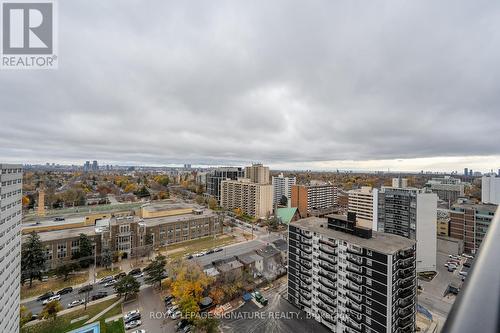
{"x":180,"y":250}
{"x":107,"y":272}
{"x":114,"y":326}
{"x":56,"y":284}
{"x":63,"y":323}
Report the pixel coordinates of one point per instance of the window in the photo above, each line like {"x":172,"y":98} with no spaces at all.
{"x":368,"y":262}
{"x":368,"y":311}
{"x":369,"y":281}
{"x":369,"y":253}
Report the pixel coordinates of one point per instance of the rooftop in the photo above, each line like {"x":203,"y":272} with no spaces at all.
{"x":249,"y":257}
{"x":379,"y":242}
{"x":169,"y":205}
{"x":490,"y":208}
{"x":281,"y":244}
{"x":229,"y":266}
{"x":267,"y":252}
{"x":286,"y":214}
{"x":177,"y":218}
{"x":64,"y":233}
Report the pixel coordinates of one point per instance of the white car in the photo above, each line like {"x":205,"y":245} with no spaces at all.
{"x":53,"y":298}
{"x":171,"y":310}
{"x":200,"y":254}
{"x":130,"y":314}
{"x":110,"y":283}
{"x":76,"y":303}
{"x":133,"y":324}
{"x":139,"y":331}
{"x":176,"y":315}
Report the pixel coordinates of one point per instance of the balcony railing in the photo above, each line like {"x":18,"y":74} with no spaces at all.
{"x":326,"y":250}
{"x":328,"y":267}
{"x":327,"y":259}
{"x":477,"y":306}
{"x":354,"y":269}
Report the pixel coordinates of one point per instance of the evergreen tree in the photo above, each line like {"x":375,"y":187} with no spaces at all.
{"x":32,"y":259}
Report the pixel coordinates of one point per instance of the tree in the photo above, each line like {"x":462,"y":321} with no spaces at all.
{"x":84,"y":251}
{"x":106,"y":258}
{"x":156,"y":270}
{"x":283,"y":200}
{"x":51,"y":309}
{"x":64,"y":270}
{"x":126,"y":286}
{"x":207,"y":325}
{"x":212,"y":203}
{"x":143,"y":192}
{"x":32,"y":259}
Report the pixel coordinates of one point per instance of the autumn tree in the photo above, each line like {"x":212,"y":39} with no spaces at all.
{"x":51,"y":309}
{"x":24,"y":315}
{"x":212,"y":203}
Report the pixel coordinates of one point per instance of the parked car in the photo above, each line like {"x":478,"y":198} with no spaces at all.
{"x":447,"y":264}
{"x":76,"y":303}
{"x":187,"y":329}
{"x":132,"y":317}
{"x":106,"y":279}
{"x":189,"y":256}
{"x":130,"y":314}
{"x":59,"y":218}
{"x":210,"y":251}
{"x":110,"y":283}
{"x":219,"y":249}
{"x":463,"y":273}
{"x":99,"y":295}
{"x":120,"y":275}
{"x":66,"y":290}
{"x":139,"y":331}
{"x":133,"y":324}
{"x":85,"y":289}
{"x":171,"y":310}
{"x":260,"y":298}
{"x":176,"y":315}
{"x":43,"y":297}
{"x":199,"y":254}
{"x":135,"y":271}
{"x":468,"y":256}
{"x":181,"y":324}
{"x":451,"y":268}
{"x":53,"y":298}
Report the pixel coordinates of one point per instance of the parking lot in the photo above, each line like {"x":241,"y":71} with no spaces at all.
{"x":432,"y":296}
{"x":277,"y":316}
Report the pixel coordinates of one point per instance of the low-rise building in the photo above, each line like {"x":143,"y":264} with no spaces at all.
{"x":252,"y":263}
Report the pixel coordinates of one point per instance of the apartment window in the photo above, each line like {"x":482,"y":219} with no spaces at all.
{"x":368,"y":262}
{"x":368,"y":320}
{"x":368,"y":272}
{"x":368,"y":253}
{"x":368,"y":302}
{"x":368,"y":311}
{"x":61,"y":250}
{"x":369,"y":292}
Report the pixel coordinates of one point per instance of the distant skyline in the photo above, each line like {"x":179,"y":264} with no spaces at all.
{"x":404,"y":85}
{"x":415,"y":165}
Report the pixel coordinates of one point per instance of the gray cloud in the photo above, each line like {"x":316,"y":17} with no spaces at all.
{"x":275,"y":81}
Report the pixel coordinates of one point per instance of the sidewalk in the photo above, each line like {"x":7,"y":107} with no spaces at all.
{"x":97,"y":316}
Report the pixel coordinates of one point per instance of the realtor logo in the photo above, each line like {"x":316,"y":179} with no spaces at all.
{"x":28,"y":31}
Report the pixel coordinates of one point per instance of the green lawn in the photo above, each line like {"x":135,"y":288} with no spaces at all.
{"x":63,"y":323}
{"x":113,"y":327}
{"x":53,"y":284}
{"x":182,"y":249}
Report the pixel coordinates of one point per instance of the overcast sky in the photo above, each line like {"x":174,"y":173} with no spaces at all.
{"x":372,"y":85}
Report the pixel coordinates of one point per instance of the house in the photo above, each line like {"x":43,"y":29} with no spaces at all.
{"x":282,"y":246}
{"x":211,"y":271}
{"x":272,"y":260}
{"x":287,"y":215}
{"x":252,"y":263}
{"x":230,"y":269}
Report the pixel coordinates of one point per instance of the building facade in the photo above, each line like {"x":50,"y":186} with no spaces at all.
{"x":257,"y":173}
{"x":282,"y":186}
{"x":447,"y":188}
{"x":131,"y":236}
{"x":252,"y":198}
{"x":411,"y":213}
{"x":470,"y":222}
{"x":308,"y":198}
{"x":352,"y":279}
{"x":364,"y":202}
{"x":214,"y":178}
{"x":11,"y":177}
{"x":490,"y":190}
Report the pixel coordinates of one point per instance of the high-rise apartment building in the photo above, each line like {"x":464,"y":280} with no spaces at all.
{"x":309,"y":198}
{"x":470,"y":222}
{"x":95,"y":166}
{"x":490,"y":189}
{"x":214,"y":178}
{"x":350,"y":278}
{"x":11,"y":178}
{"x":252,"y":198}
{"x":364,"y":202}
{"x":411,"y":212}
{"x":447,"y":188}
{"x":257,"y":173}
{"x":282,"y":186}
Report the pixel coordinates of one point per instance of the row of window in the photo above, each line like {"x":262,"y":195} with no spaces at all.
{"x":12,"y":182}
{"x":11,"y":193}
{"x":11,"y":170}
{"x":13,"y":204}
{"x":10,"y":217}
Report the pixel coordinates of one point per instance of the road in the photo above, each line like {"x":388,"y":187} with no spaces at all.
{"x":36,"y":306}
{"x":262,"y":239}
{"x":278,"y":316}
